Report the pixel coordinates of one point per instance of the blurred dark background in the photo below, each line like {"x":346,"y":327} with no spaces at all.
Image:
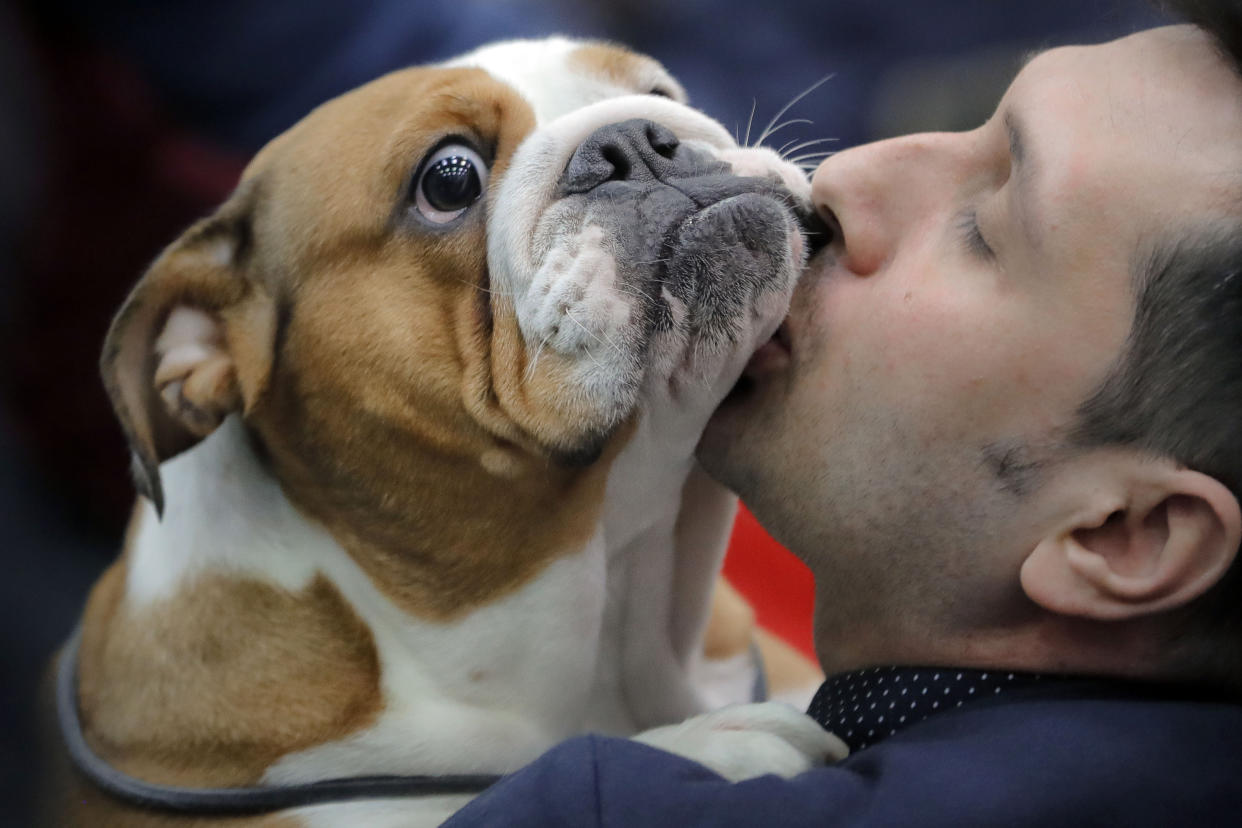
{"x":121,"y":122}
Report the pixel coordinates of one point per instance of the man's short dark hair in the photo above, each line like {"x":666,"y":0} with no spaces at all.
{"x":1177,"y":390}
{"x":1222,"y":19}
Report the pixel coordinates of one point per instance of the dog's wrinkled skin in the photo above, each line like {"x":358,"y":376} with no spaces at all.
{"x":426,"y":478}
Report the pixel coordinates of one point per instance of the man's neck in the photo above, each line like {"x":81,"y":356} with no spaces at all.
{"x":1044,"y":643}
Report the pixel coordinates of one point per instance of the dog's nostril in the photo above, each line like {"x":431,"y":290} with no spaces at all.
{"x":662,"y":140}
{"x":620,"y":161}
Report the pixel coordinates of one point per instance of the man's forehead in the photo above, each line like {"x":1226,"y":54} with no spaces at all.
{"x":1181,"y":61}
{"x":1162,"y":102}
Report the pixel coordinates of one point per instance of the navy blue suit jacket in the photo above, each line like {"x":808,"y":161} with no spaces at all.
{"x":1043,"y":758}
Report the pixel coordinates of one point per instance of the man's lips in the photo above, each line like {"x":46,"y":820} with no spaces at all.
{"x":776,"y":354}
{"x":820,"y":231}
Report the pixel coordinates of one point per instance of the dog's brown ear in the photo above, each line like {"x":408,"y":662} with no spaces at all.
{"x":191,"y":344}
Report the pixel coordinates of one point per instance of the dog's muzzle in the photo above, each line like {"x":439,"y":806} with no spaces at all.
{"x":668,"y":204}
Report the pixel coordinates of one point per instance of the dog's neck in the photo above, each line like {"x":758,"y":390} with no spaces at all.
{"x":235,"y":573}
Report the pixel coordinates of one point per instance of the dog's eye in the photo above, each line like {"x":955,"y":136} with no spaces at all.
{"x":452,"y":178}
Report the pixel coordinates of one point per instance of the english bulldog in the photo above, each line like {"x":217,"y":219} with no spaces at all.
{"x":413,"y":414}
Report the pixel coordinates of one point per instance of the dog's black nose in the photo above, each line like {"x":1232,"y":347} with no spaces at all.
{"x":634,"y":150}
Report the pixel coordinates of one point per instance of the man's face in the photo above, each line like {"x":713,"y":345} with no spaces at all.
{"x":980,"y":287}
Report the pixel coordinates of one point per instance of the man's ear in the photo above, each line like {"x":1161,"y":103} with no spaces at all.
{"x":192,"y":343}
{"x":1147,"y":536}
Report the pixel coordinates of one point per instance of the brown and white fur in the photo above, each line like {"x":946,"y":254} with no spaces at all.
{"x":428,"y":497}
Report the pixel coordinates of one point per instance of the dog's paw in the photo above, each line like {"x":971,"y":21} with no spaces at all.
{"x":747,"y":740}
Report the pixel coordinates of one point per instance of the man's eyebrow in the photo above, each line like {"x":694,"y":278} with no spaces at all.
{"x":1017,"y":138}
{"x":1022,"y":171}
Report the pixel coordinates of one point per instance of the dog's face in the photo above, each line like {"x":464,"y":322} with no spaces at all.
{"x":440,"y":299}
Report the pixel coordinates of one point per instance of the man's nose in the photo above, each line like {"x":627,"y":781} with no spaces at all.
{"x":873,"y":195}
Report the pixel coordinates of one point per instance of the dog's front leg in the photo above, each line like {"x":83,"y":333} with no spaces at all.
{"x":656,"y":680}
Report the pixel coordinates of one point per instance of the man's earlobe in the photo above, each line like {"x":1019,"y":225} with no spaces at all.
{"x":1155,"y":544}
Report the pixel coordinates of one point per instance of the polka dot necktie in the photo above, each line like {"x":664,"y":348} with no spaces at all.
{"x":866,"y":706}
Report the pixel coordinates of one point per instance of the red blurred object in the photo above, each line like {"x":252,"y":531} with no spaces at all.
{"x":778,"y":585}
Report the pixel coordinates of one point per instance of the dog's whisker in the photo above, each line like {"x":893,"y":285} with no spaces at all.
{"x":776,"y":118}
{"x":636,"y":294}
{"x":782,"y":125}
{"x":598,"y":364}
{"x":804,"y":145}
{"x":812,"y":158}
{"x":816,"y":154}
{"x":534,"y":362}
{"x":784,"y":147}
{"x":490,"y":291}
{"x":604,"y":341}
{"x":754,"y":102}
